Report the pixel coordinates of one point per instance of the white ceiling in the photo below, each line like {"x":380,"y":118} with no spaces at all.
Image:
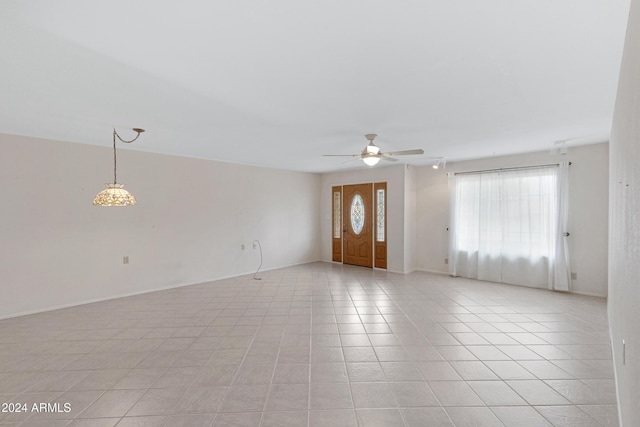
{"x":279,"y":83}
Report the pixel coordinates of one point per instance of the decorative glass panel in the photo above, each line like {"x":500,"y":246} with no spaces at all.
{"x":336,"y":215}
{"x":380,"y":215}
{"x":357,"y":214}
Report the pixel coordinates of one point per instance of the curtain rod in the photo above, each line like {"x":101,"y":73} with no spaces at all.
{"x":509,"y":169}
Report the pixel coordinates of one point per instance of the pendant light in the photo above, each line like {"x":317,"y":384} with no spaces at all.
{"x":115,"y":194}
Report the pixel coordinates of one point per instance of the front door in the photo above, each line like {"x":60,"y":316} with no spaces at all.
{"x":357,"y":225}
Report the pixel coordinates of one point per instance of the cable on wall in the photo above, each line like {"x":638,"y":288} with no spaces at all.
{"x":260,"y":266}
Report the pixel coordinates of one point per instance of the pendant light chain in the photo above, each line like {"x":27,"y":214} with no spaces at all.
{"x":115,"y":159}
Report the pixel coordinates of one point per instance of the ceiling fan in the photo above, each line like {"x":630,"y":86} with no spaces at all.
{"x":371,"y":154}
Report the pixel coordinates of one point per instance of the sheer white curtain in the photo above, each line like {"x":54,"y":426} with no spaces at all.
{"x":509,"y":226}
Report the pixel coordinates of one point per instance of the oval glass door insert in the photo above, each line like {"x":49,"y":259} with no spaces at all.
{"x":357,"y":214}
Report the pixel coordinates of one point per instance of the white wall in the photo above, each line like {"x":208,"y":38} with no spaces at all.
{"x":624,"y":231}
{"x":191,"y":219}
{"x":394,"y":176}
{"x":410,"y":219}
{"x":588,"y":211}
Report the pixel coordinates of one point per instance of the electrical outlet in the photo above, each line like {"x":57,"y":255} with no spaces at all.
{"x":446,"y":260}
{"x":255,"y":245}
{"x":574,"y":276}
{"x":242,"y":247}
{"x":125,"y":260}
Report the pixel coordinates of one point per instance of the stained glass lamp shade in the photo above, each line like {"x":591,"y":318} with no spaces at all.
{"x":115,"y":194}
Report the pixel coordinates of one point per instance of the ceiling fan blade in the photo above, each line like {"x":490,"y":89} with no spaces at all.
{"x":390,"y":159}
{"x":349,"y":161}
{"x":405,"y":152}
{"x":341,"y":155}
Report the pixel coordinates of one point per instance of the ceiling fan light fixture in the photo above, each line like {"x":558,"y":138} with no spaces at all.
{"x":370,"y":159}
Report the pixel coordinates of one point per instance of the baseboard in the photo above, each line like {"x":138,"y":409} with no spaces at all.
{"x":399,"y":272}
{"x":94,"y":300}
{"x":426,"y":270}
{"x":589,"y":294}
{"x":615,"y":371}
{"x":144,"y":291}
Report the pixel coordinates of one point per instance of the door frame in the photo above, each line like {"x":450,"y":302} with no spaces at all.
{"x":379,"y":250}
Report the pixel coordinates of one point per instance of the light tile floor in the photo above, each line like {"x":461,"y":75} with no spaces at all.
{"x":319,"y":345}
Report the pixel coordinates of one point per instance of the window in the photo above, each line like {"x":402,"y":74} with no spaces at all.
{"x":336,"y":214}
{"x":380,"y":215}
{"x":506,"y":225}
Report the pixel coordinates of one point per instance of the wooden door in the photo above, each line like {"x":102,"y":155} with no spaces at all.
{"x":357,"y":226}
